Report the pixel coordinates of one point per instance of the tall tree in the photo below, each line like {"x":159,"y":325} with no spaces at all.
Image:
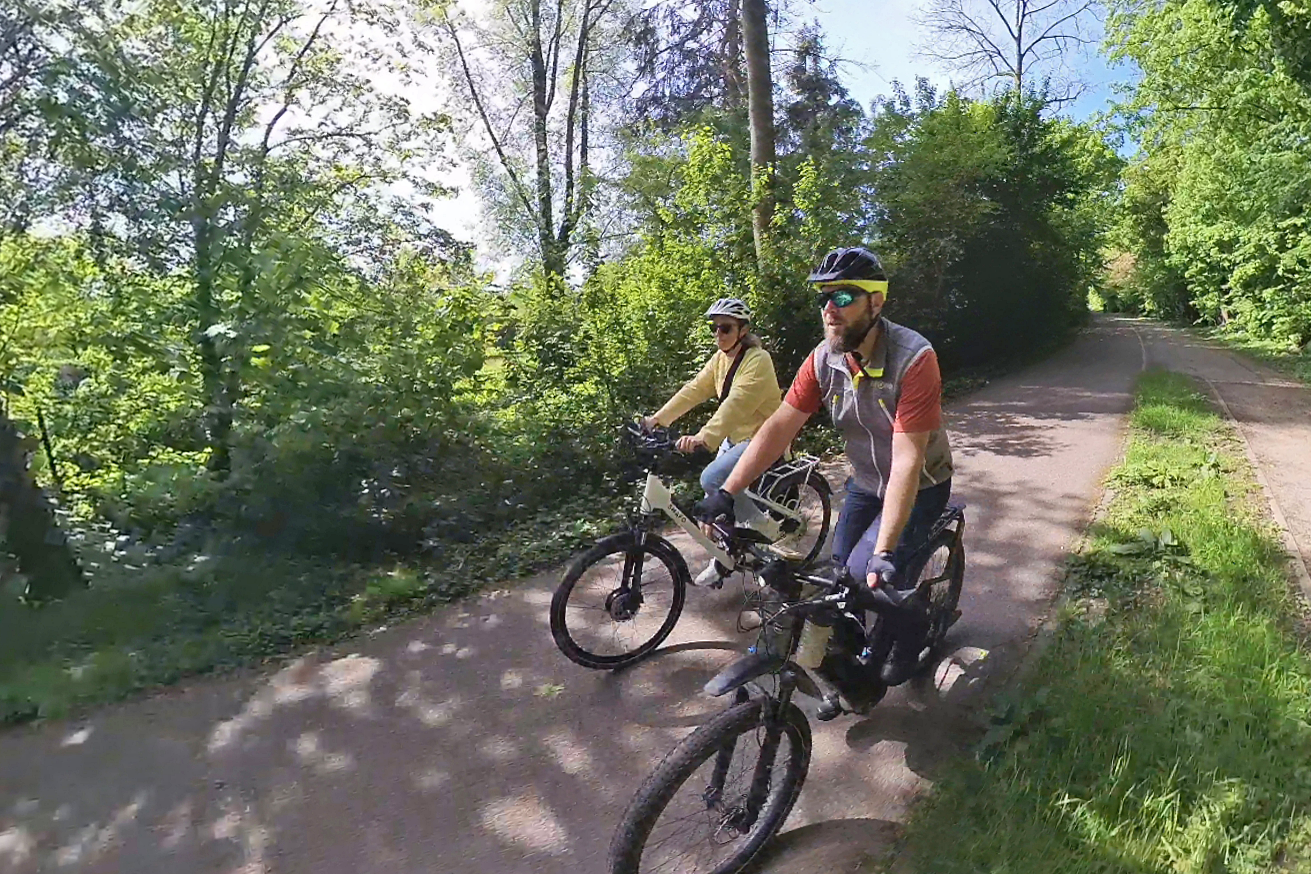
{"x":1011,"y":43}
{"x":760,"y":105}
{"x":544,"y":55}
{"x":1216,"y":204}
{"x":28,"y":530}
{"x":818,"y":114}
{"x":52,"y":102}
{"x":688,"y":59}
{"x":1290,"y":30}
{"x":241,"y":126}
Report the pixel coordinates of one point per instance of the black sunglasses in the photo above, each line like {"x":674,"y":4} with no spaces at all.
{"x":842,"y":296}
{"x":721,"y":329}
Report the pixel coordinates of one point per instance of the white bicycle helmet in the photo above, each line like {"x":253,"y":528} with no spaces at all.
{"x":734,"y":308}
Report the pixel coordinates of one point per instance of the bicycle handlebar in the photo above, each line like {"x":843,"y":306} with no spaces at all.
{"x":657,"y":440}
{"x":788,"y":580}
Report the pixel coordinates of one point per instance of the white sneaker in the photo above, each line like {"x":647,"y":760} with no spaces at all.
{"x":710,"y":576}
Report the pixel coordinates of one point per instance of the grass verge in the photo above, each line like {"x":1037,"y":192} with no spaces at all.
{"x":1280,"y":356}
{"x":1167,"y":727}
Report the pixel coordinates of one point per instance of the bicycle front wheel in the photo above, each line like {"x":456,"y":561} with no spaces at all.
{"x":698,"y":814}
{"x":619,"y":601}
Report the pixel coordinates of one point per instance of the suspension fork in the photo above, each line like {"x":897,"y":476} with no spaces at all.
{"x":773,"y":720}
{"x":723,"y":758}
{"x":632,"y":578}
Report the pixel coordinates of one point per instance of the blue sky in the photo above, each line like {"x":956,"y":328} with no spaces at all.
{"x":880,"y":37}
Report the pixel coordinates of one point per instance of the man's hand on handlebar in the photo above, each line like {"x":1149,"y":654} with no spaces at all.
{"x":690,"y":443}
{"x":715,"y":511}
{"x":881,"y":570}
{"x":649,"y":423}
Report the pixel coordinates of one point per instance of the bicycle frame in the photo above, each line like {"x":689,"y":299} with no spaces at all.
{"x":781,"y":661}
{"x":656,"y":497}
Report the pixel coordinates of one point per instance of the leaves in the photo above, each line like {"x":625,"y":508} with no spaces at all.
{"x":1214,"y":208}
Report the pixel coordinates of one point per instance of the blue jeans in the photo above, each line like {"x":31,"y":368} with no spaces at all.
{"x":858,"y":527}
{"x":716,"y":474}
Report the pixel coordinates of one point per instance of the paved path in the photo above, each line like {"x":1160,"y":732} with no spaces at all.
{"x":463,"y":742}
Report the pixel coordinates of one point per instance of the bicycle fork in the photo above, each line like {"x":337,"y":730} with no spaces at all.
{"x":742,"y":818}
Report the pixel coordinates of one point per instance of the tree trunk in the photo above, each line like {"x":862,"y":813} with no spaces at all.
{"x":760,"y":107}
{"x":218,"y":402}
{"x":27,"y":524}
{"x":1019,"y":48}
{"x":552,"y":257}
{"x":732,"y":55}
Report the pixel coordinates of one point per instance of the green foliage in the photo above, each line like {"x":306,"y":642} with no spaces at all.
{"x":992,"y":216}
{"x":1214,"y":208}
{"x":247,"y":338}
{"x":1164,"y":727}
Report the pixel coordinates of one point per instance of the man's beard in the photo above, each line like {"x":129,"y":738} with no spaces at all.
{"x":849,"y":339}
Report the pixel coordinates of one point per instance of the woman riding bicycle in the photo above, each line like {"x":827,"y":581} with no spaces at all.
{"x":741,"y":374}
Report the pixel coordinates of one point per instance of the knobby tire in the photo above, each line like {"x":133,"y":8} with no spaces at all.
{"x":736,"y":724}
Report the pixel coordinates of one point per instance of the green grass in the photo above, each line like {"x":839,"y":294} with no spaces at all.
{"x":1282,"y":357}
{"x":141,"y":627}
{"x":1167,"y":727}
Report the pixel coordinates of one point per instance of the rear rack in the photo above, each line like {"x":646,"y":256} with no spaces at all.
{"x":801,"y":466}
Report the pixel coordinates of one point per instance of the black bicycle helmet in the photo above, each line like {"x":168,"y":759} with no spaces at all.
{"x":856,"y":262}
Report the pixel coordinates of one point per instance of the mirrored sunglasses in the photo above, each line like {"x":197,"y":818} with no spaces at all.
{"x":841,"y":295}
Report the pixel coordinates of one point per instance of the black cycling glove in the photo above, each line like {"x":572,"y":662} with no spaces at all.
{"x":881,"y":563}
{"x":716,"y":508}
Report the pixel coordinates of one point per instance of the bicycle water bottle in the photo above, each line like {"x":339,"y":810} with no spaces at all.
{"x":812,"y":645}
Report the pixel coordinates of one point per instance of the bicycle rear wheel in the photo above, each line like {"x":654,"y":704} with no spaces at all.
{"x":812,"y":500}
{"x":619,"y":601}
{"x":694,"y":814}
{"x":944,"y":572}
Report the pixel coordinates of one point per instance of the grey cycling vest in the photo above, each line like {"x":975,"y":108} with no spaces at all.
{"x":864,"y":413}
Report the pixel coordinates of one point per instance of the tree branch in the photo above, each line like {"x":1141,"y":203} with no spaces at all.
{"x":554,"y":51}
{"x":487,"y":125}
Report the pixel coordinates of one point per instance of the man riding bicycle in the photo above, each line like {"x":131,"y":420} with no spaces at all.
{"x":882,"y":386}
{"x":741,"y":374}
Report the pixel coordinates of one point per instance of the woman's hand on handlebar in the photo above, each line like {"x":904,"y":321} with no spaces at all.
{"x":649,"y":423}
{"x":689,"y":443}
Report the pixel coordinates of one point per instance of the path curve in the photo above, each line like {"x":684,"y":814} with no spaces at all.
{"x":463,"y":742}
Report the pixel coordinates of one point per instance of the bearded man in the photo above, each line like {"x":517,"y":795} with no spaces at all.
{"x":883,"y":389}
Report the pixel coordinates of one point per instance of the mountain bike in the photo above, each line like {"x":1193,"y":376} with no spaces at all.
{"x":717,"y":797}
{"x":619,"y":600}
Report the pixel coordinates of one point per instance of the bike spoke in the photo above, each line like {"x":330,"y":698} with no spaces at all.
{"x":602,"y":613}
{"x":806,"y":513}
{"x":690,"y":835}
